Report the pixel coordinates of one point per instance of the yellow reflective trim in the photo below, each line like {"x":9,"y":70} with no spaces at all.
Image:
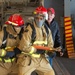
{"x":13,"y":59}
{"x":24,"y":53}
{"x":0,"y":59}
{"x":3,"y":52}
{"x":7,"y":47}
{"x":40,"y":42}
{"x":32,"y":50}
{"x":7,"y":60}
{"x":33,"y":55}
{"x":36,"y":55}
{"x":35,"y":12}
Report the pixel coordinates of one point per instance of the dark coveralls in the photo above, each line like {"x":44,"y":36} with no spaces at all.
{"x":56,"y":37}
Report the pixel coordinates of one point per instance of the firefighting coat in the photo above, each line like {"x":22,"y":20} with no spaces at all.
{"x":11,"y":39}
{"x":26,"y":42}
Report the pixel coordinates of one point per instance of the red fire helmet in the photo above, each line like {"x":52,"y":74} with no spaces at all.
{"x":40,"y":11}
{"x":15,"y":20}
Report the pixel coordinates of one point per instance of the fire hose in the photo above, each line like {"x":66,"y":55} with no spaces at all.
{"x":46,"y":48}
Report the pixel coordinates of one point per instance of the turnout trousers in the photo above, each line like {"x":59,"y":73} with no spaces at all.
{"x":7,"y":68}
{"x":28,"y":64}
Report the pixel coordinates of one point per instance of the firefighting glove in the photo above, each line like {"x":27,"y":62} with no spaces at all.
{"x":10,"y":54}
{"x":13,"y":53}
{"x":17,"y":51}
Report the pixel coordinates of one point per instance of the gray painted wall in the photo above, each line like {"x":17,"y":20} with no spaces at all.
{"x":58,"y":5}
{"x":72,"y":7}
{"x":67,"y":11}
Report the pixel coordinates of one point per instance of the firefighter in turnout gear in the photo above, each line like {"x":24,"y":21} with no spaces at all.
{"x":35,"y":34}
{"x":9,"y":39}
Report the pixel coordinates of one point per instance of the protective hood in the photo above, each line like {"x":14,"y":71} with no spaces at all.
{"x":10,"y":30}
